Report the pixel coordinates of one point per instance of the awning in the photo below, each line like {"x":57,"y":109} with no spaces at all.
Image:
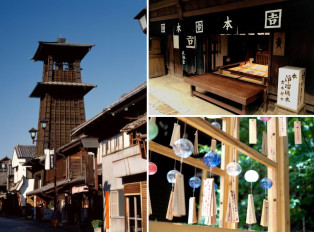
{"x":50,"y":187}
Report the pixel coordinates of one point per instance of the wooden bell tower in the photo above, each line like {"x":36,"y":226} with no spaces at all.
{"x":61,"y":91}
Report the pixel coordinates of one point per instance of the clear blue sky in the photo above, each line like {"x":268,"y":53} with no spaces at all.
{"x":116,"y":64}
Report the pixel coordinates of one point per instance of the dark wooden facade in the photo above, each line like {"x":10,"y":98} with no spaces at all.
{"x":299,"y":35}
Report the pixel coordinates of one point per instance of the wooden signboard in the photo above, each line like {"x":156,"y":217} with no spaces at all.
{"x":290,"y":93}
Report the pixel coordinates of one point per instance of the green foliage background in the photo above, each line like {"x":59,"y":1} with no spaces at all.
{"x":301,"y":175}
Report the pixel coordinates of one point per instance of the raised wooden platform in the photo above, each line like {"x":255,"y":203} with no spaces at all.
{"x":231,"y":89}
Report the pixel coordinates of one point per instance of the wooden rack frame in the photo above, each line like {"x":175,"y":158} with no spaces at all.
{"x":277,"y":163}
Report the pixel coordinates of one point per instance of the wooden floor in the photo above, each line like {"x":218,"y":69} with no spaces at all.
{"x":231,"y":89}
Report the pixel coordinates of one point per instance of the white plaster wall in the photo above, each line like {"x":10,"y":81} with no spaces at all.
{"x":28,"y":185}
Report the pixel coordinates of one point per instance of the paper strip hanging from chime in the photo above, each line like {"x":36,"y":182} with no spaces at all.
{"x":195,"y":151}
{"x":264,"y":143}
{"x":250,"y":213}
{"x":232,"y":208}
{"x":213,"y":144}
{"x":192,"y":211}
{"x":209,"y":207}
{"x":179,"y":196}
{"x":169,"y":214}
{"x":252,"y":131}
{"x":297,"y":132}
{"x":176,"y":135}
{"x":150,"y":205}
{"x":265,"y":214}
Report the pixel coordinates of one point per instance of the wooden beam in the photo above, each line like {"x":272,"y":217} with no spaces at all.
{"x":223,"y":137}
{"x":178,"y":227}
{"x":230,"y":6}
{"x":166,"y":17}
{"x":162,"y":150}
{"x":162,"y":4}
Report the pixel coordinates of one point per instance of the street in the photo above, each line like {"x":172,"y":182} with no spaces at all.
{"x":26,"y":225}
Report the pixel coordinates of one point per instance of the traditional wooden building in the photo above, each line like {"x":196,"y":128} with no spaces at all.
{"x":61,"y":94}
{"x":246,"y":41}
{"x":121,"y":132}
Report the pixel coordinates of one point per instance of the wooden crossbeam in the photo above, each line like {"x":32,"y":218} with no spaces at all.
{"x":178,"y":227}
{"x":162,"y":150}
{"x":207,"y":128}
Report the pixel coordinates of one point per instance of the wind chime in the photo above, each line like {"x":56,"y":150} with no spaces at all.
{"x":183,"y":148}
{"x":209,"y":206}
{"x":194,"y":183}
{"x":233,"y":169}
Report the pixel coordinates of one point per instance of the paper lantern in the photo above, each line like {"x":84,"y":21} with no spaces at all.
{"x":217,"y":125}
{"x":153,"y":130}
{"x":233,"y":169}
{"x":266,"y":183}
{"x":265,"y":119}
{"x":183,"y":148}
{"x":195,"y":182}
{"x":171,"y":176}
{"x":152,"y":168}
{"x":211,"y":159}
{"x":251,"y":176}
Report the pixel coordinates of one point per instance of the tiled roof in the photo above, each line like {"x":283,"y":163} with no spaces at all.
{"x":135,"y":124}
{"x":124,"y":97}
{"x":25,"y":151}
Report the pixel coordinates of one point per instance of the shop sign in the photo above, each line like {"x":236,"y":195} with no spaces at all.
{"x":178,"y":28}
{"x":191,"y":41}
{"x":79,"y":189}
{"x":199,"y":26}
{"x":227,"y":24}
{"x":273,"y":18}
{"x":163,"y":28}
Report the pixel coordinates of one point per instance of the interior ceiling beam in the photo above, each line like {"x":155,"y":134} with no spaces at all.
{"x":166,"y":151}
{"x":207,"y":128}
{"x":162,"y":4}
{"x":230,"y":6}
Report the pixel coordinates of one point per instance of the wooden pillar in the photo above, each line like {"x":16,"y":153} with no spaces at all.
{"x":272,"y":174}
{"x":228,"y":154}
{"x":283,"y":182}
{"x":278,"y":194}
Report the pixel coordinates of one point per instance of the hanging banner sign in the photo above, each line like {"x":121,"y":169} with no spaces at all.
{"x":282,"y":126}
{"x":163,"y":28}
{"x":227,"y":24}
{"x":79,"y":189}
{"x":190,"y":41}
{"x":199,"y":26}
{"x":273,"y":18}
{"x":297,"y":132}
{"x":252,"y":131}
